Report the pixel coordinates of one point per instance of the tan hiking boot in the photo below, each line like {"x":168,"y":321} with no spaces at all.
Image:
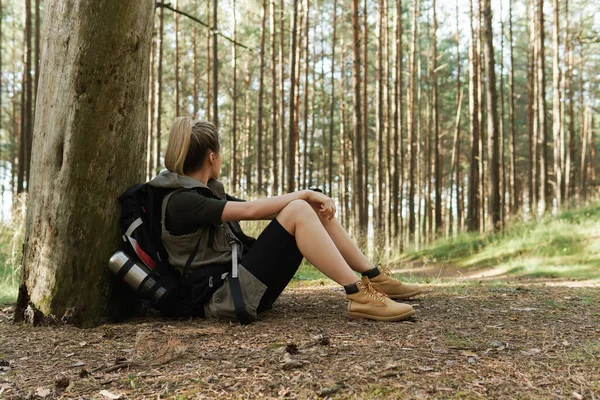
{"x":370,"y":304}
{"x":386,"y":283}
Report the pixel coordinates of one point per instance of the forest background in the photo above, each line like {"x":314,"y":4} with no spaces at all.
{"x":425,"y":121}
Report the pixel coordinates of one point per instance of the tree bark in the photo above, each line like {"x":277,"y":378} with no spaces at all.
{"x":357,"y":125}
{"x":233,"y":172}
{"x":215,"y":67}
{"x":437,"y":156}
{"x":274,"y":105}
{"x":379,"y":85}
{"x":492,"y":120}
{"x":410,"y":118}
{"x":259,"y":121}
{"x":177,"y":83}
{"x":161,"y":28}
{"x":26,"y":106}
{"x":556,"y":101}
{"x":397,"y":174}
{"x":545,"y":197}
{"x":291,"y":154}
{"x":474,"y":193}
{"x":93,"y":94}
{"x":332,"y":102}
{"x":511,"y":116}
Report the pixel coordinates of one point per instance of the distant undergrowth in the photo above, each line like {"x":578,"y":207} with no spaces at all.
{"x":566,"y":246}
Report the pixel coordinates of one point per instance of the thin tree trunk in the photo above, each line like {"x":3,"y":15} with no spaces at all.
{"x":282,"y":149}
{"x":365,"y":123}
{"x":410,"y":118}
{"x":437,"y":150}
{"x":378,"y":200}
{"x":531,"y":111}
{"x":511,"y":117}
{"x":195,"y":71}
{"x":177,"y":83}
{"x":397,"y":175}
{"x":571,"y":157}
{"x":306,"y":150}
{"x":161,"y":27}
{"x":26,"y":111}
{"x":274,"y":105}
{"x":357,"y":125}
{"x":492,"y":119}
{"x":543,"y":138}
{"x":259,"y":119}
{"x":474,"y":193}
{"x":480,"y":116}
{"x":556,"y":101}
{"x":291,"y":173}
{"x":208,"y":64}
{"x":233,"y":169}
{"x":332,"y":102}
{"x":149,"y":136}
{"x":215,"y":67}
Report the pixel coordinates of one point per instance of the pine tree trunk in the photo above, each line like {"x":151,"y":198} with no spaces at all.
{"x":274,"y":105}
{"x":234,"y":167}
{"x":365,"y":123}
{"x":474,"y":193}
{"x":511,"y":118}
{"x":357,"y":125}
{"x":94,"y":79}
{"x":437,"y":161}
{"x":161,"y":28}
{"x":195,"y":72}
{"x":36,"y":59}
{"x":332,"y":102}
{"x":26,"y":106}
{"x":208,"y":64}
{"x":378,"y":200}
{"x":291,"y":154}
{"x":282,"y":149}
{"x":410,"y":118}
{"x":177,"y":83}
{"x":397,"y":175}
{"x":545,"y":197}
{"x":215,"y":68}
{"x":492,"y":120}
{"x":556,"y":101}
{"x":259,"y":120}
{"x":306,"y":150}
{"x":149,"y":137}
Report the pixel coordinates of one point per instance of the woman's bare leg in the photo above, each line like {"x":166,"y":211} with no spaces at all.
{"x":314,"y":242}
{"x":346,"y":246}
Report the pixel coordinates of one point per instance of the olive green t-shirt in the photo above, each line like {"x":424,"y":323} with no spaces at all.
{"x":188,"y":211}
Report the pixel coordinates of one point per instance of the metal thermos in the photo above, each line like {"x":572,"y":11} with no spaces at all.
{"x":137,"y":276}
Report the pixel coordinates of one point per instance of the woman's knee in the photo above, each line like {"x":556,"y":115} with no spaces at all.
{"x":289,"y":215}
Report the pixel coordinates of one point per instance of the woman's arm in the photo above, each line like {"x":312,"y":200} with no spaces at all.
{"x":271,"y":206}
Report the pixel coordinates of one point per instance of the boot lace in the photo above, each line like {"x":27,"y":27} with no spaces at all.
{"x":371,"y":291}
{"x":387,"y":273}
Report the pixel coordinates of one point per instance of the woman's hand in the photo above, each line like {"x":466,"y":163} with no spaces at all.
{"x":323,"y":205}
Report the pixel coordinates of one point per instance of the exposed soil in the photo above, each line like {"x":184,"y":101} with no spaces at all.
{"x":466,"y":341}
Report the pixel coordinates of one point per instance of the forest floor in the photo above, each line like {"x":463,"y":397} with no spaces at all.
{"x":470,"y":338}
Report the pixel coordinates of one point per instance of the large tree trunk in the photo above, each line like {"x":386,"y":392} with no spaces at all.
{"x":492,"y":120}
{"x":88,"y":137}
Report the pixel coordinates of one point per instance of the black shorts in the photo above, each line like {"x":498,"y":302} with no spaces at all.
{"x":274,"y":259}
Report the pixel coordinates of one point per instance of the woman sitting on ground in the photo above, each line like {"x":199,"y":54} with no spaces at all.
{"x":198,"y":219}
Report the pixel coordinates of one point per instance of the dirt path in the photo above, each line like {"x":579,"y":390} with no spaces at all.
{"x":467,"y":341}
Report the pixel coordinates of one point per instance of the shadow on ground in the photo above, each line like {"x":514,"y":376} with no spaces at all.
{"x":468,"y":340}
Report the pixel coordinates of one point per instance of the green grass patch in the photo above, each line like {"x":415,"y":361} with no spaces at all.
{"x":11,"y":247}
{"x":563,"y":246}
